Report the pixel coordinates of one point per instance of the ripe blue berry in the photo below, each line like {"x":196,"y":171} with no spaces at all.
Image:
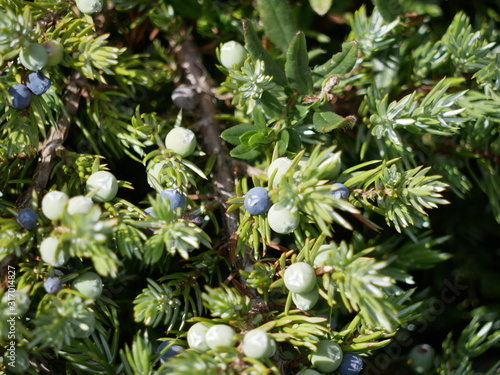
{"x":185,"y":97}
{"x":175,"y":197}
{"x":340,"y":191}
{"x":171,"y":352}
{"x":257,"y":201}
{"x":52,"y":285}
{"x":27,"y":218}
{"x":38,"y":83}
{"x":351,"y":364}
{"x":20,"y":95}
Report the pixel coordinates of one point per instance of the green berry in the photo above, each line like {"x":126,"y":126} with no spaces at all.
{"x":34,"y":57}
{"x":300,"y":277}
{"x":89,"y":284}
{"x":421,"y":358}
{"x":85,"y":325}
{"x":79,"y":205}
{"x":328,"y":357}
{"x":54,"y":203}
{"x":306,"y":301}
{"x":55,"y":51}
{"x":89,"y":6}
{"x":282,"y":220}
{"x":196,"y":337}
{"x":232,"y":54}
{"x":258,"y":344}
{"x":20,"y":360}
{"x":51,"y":253}
{"x":180,"y":140}
{"x":103,"y":185}
{"x":308,"y":372}
{"x":281,"y":166}
{"x":220,"y":335}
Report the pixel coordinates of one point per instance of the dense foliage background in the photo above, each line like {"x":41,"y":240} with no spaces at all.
{"x":398,"y":100}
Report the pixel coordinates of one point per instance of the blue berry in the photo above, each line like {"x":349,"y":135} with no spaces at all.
{"x":340,"y":191}
{"x":149,"y":211}
{"x":27,"y":218}
{"x":52,"y":285}
{"x":20,"y":95}
{"x":176,"y":198}
{"x":171,"y":352}
{"x":351,"y":364}
{"x":257,"y":201}
{"x":38,"y":83}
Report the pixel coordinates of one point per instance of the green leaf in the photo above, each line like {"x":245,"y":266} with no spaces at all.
{"x":257,"y":52}
{"x":271,"y":105}
{"x":341,"y":63}
{"x":278,"y":22}
{"x":187,"y":8}
{"x":321,"y":6}
{"x":260,"y":120}
{"x":327,"y":121}
{"x":389,"y":9}
{"x":244,"y":152}
{"x":233,"y":134}
{"x":297,"y":65}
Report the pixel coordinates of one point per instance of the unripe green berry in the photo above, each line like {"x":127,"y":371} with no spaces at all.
{"x":300,"y":277}
{"x":306,"y":301}
{"x":281,"y":166}
{"x":181,"y":140}
{"x":220,"y":335}
{"x":328,"y":357}
{"x":89,"y":6}
{"x":89,"y":284}
{"x":34,"y":57}
{"x":55,"y":51}
{"x":104,"y":186}
{"x":196,"y":337}
{"x":282,"y":220}
{"x":54,"y":203}
{"x":79,"y":205}
{"x":258,"y":344}
{"x":85,"y":325}
{"x":232,"y":54}
{"x":51,"y":253}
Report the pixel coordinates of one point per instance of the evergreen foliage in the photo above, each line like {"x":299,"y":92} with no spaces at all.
{"x":396,"y":100}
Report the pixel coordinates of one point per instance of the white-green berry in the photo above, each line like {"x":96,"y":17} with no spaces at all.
{"x":34,"y":57}
{"x":196,"y":337}
{"x":306,"y":301}
{"x":55,"y":51}
{"x":300,"y":277}
{"x":220,"y":335}
{"x":102,"y":185}
{"x":180,"y":140}
{"x":258,"y":344}
{"x":328,"y":357}
{"x":281,"y":166}
{"x":89,"y":6}
{"x":54,"y":204}
{"x":79,"y":205}
{"x":89,"y":284}
{"x":282,"y":220}
{"x":232,"y":54}
{"x":51,"y":253}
